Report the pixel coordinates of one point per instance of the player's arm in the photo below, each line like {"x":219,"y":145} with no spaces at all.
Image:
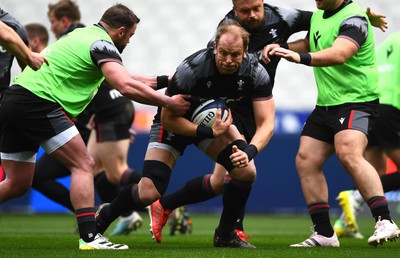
{"x":12,"y":42}
{"x":182,"y":126}
{"x":264,"y":114}
{"x":352,"y":35}
{"x":341,"y":50}
{"x":119,"y":78}
{"x":155,"y":82}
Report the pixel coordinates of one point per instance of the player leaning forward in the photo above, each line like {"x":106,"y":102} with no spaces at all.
{"x":227,"y":72}
{"x":36,"y":110}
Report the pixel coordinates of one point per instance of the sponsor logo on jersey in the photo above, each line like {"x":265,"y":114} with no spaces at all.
{"x":317,"y":36}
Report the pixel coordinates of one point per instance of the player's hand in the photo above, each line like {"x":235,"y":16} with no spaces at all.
{"x":220,"y":127}
{"x":178,"y":104}
{"x":377,"y":20}
{"x":239,"y":158}
{"x":266,"y":53}
{"x":36,"y":60}
{"x":289,"y":55}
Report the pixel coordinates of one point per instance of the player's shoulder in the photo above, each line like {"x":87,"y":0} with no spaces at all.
{"x":197,"y":60}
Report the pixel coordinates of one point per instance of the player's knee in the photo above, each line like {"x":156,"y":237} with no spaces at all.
{"x":217,"y":184}
{"x":148,"y":191}
{"x":224,"y":156}
{"x":245,"y":175}
{"x":159,"y":173}
{"x":113,"y":178}
{"x":303,"y":162}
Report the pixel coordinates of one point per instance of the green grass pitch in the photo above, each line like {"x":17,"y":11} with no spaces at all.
{"x":52,"y":235}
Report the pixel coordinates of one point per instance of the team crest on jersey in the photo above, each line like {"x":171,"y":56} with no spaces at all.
{"x":240,"y":84}
{"x":209,"y":83}
{"x":273,"y":33}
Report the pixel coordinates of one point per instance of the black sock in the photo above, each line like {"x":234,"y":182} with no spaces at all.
{"x":391,"y":182}
{"x":130,"y":176}
{"x":196,"y":190}
{"x":234,"y":200}
{"x":319,"y":213}
{"x":379,"y":207}
{"x":86,"y":223}
{"x":126,"y":201}
{"x":239,"y":220}
{"x":106,"y":190}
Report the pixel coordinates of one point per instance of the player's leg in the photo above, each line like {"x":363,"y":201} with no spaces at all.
{"x":156,"y":174}
{"x":310,"y":158}
{"x":196,"y":190}
{"x":47,"y":170}
{"x":237,"y":191}
{"x":74,"y":155}
{"x":114,"y":158}
{"x":350,"y":146}
{"x":19,"y":173}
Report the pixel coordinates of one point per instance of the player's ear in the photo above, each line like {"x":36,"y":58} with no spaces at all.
{"x":215,"y":47}
{"x":121,"y":31}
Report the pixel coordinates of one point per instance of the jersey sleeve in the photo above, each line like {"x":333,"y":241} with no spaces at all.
{"x":297,"y":20}
{"x":354,"y":28}
{"x":262,"y":83}
{"x":103,"y":51}
{"x":183,"y":80}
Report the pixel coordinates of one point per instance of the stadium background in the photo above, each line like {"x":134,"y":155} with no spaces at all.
{"x":168,"y":32}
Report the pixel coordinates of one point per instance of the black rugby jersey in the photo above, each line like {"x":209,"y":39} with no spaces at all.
{"x":6,"y":58}
{"x":198,"y":76}
{"x":280,"y":23}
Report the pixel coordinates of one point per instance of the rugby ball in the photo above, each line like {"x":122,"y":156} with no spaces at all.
{"x":206,"y":113}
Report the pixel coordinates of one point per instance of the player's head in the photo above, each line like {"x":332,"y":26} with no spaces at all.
{"x":121,"y":24}
{"x":38,"y":36}
{"x":62,"y":14}
{"x":249,"y":13}
{"x":230,"y":46}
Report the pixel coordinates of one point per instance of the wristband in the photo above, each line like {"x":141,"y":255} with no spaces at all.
{"x":204,"y":132}
{"x":251,"y":151}
{"x":284,"y":45}
{"x":162,"y":82}
{"x":305,"y":58}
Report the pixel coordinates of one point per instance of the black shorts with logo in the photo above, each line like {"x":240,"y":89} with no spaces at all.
{"x":324,"y":122}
